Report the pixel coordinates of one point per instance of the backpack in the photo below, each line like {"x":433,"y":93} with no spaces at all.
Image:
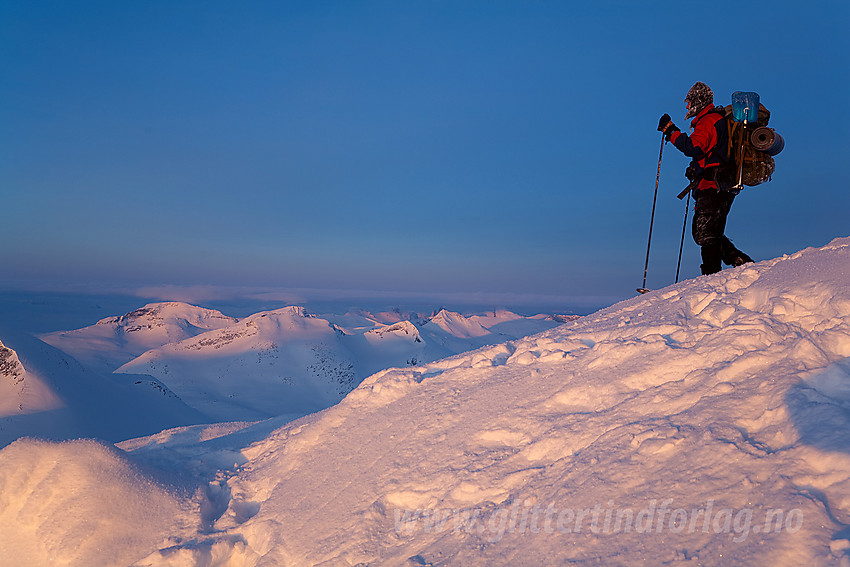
{"x":750,"y":145}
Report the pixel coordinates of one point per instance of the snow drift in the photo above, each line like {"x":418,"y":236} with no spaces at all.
{"x":80,"y":503}
{"x":704,"y":424}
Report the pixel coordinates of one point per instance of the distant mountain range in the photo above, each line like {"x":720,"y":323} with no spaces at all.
{"x":170,"y":364}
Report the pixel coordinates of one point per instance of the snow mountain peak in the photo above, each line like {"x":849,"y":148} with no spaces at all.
{"x":10,"y":367}
{"x":402,"y":328}
{"x":457,"y":325}
{"x":163,"y":313}
{"x":114,"y":341}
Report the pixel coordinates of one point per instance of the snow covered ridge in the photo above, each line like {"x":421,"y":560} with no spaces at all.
{"x":114,"y":341}
{"x":701,"y":424}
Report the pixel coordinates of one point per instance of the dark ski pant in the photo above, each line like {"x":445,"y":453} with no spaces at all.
{"x":710,"y":211}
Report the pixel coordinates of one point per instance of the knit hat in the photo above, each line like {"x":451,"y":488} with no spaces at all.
{"x":698,"y":98}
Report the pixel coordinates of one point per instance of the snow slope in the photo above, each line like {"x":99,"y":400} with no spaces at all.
{"x":21,"y":392}
{"x":505,"y":322}
{"x":46,"y":393}
{"x":702,"y":424}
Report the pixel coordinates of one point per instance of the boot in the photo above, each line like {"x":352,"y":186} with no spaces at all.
{"x":740,"y":259}
{"x":732,"y":256}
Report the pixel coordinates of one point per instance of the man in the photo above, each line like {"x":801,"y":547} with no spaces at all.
{"x":707,"y":146}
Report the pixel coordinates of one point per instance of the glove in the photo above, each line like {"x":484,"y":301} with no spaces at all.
{"x":665,"y":124}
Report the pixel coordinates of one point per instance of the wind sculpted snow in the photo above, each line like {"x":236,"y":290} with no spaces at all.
{"x":80,"y":503}
{"x":701,"y":424}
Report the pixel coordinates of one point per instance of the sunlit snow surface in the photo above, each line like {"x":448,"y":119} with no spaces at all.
{"x":701,"y":424}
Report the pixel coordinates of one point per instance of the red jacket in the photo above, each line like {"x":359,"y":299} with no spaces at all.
{"x":706,"y":144}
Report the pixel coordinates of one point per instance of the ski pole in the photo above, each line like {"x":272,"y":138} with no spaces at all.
{"x":682,"y":243}
{"x":642,"y":288}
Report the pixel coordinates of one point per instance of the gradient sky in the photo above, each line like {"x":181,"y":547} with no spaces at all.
{"x":429,"y":146}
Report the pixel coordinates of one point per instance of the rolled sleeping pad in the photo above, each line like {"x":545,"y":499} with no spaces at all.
{"x":766,"y":140}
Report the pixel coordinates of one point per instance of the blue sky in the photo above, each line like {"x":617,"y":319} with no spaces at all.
{"x":400,"y":147}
